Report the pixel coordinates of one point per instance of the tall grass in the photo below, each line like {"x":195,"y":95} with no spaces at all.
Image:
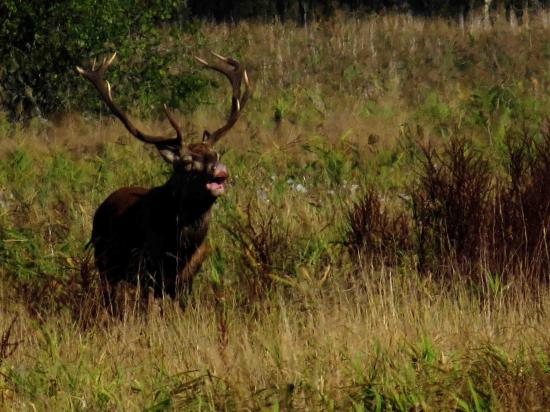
{"x":390,"y":342}
{"x":384,"y":222}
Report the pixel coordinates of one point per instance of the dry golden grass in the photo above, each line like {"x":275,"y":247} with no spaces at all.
{"x":314,"y":348}
{"x":325,"y":333}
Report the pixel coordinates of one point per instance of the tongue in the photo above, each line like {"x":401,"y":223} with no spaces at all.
{"x":214,"y":186}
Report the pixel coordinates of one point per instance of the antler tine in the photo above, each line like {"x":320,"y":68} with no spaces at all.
{"x":227,"y":60}
{"x":236,"y":75}
{"x":108,"y":62}
{"x":246,"y":94}
{"x":95,"y":76}
{"x":220,"y":69}
{"x":219,"y":56}
{"x":173,"y":123}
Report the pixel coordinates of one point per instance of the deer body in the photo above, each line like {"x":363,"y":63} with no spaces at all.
{"x":155,"y":238}
{"x":132,"y":236}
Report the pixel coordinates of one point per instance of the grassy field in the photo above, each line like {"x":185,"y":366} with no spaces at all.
{"x":383,"y":244}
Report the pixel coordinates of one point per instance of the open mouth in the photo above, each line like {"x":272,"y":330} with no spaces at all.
{"x":217,"y":185}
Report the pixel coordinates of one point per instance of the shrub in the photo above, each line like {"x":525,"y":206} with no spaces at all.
{"x":470,"y":219}
{"x":522,"y":207}
{"x":450,"y":205}
{"x":264,"y":250}
{"x":41,"y":42}
{"x":467,"y":216}
{"x":374,"y":233}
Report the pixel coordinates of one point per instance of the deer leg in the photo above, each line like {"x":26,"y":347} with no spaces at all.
{"x":184,"y":282}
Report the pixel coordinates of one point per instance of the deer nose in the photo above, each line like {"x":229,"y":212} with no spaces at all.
{"x":220,"y":171}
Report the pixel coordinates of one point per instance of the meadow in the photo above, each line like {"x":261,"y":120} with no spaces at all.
{"x":382,"y":246}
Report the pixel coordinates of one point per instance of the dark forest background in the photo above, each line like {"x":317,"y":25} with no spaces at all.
{"x":302,"y":10}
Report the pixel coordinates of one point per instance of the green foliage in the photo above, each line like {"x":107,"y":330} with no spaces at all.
{"x":281,"y":108}
{"x":373,"y":109}
{"x":434,"y":112}
{"x":294,"y":323}
{"x":42,"y":42}
{"x":37,"y":244}
{"x":332,"y":165}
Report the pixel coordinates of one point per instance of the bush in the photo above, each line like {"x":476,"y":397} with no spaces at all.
{"x":481,"y":219}
{"x":42,"y":42}
{"x":375,"y":234}
{"x":471,"y":219}
{"x":264,"y":248}
{"x":451,"y":205}
{"x":521,"y":221}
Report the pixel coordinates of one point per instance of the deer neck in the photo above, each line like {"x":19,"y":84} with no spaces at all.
{"x":189,"y":208}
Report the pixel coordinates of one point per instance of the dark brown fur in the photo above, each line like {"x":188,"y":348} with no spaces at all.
{"x":155,"y":238}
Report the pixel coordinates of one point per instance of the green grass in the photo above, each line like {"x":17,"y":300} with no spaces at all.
{"x":282,"y":317}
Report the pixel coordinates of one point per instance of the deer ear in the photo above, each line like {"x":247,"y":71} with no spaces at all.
{"x":169,"y":156}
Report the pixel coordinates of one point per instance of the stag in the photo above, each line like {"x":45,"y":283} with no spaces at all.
{"x":155,"y":238}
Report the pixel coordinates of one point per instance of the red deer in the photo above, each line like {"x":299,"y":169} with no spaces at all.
{"x":155,"y":238}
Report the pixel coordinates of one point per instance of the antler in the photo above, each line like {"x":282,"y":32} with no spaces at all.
{"x":163,"y":143}
{"x":236,"y":75}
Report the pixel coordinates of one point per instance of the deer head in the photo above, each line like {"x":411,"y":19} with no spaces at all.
{"x":198,"y":163}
